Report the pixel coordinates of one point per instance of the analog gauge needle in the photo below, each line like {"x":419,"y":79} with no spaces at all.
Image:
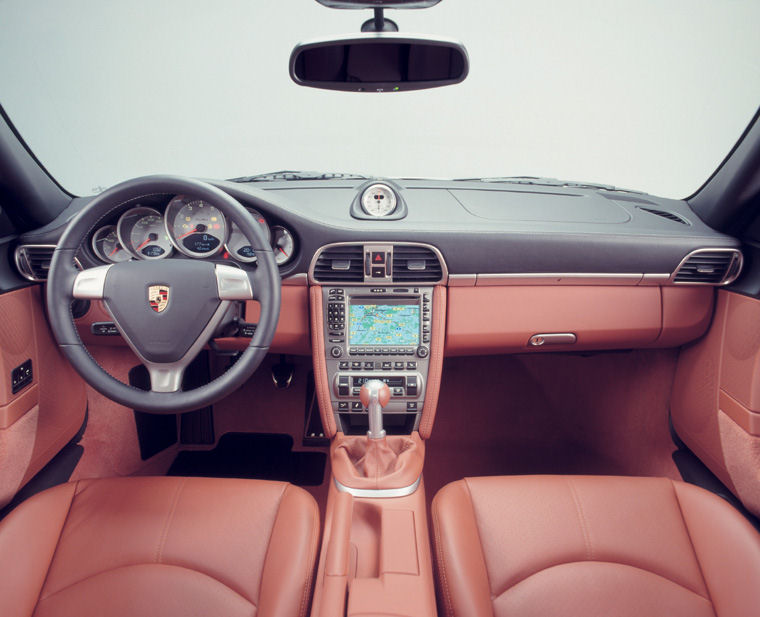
{"x":150,"y":238}
{"x":198,"y":228}
{"x":115,"y":250}
{"x":282,"y":250}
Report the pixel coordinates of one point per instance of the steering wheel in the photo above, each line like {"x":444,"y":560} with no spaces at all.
{"x":198,"y":294}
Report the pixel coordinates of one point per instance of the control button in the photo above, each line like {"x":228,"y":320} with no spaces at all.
{"x":356,"y":406}
{"x":378,"y":350}
{"x":399,"y":290}
{"x":416,"y":290}
{"x":378,"y":272}
{"x":343,"y":366}
{"x":343,"y":406}
{"x":378,"y":258}
{"x":336,"y":352}
{"x":356,"y":366}
{"x":337,"y":340}
{"x":343,"y":389}
{"x":398,"y":391}
{"x":422,"y":351}
{"x":369,"y":366}
{"x":411,"y":406}
{"x":411,"y":366}
{"x":387,"y":366}
{"x":411,"y":385}
{"x":425,"y":338}
{"x":399,"y":366}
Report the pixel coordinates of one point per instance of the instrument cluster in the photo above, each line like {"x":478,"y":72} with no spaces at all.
{"x":188,"y":226}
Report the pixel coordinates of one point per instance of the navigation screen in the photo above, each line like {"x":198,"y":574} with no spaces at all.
{"x":384,"y":324}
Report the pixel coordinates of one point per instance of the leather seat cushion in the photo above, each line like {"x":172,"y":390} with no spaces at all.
{"x":160,"y":546}
{"x":592,"y":546}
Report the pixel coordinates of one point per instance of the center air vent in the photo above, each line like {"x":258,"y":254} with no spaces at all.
{"x":709,"y":267}
{"x":33,"y":261}
{"x":415,"y":264}
{"x":340,"y":264}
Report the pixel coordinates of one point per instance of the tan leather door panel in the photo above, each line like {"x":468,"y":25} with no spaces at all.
{"x":37,"y":421}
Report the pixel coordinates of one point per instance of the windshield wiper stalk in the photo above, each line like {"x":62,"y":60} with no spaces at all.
{"x":297,"y":175}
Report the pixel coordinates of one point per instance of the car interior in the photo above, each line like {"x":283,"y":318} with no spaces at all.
{"x":330,"y":394}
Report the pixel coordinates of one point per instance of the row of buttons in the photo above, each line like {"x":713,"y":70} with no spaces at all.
{"x":371,"y":366}
{"x":357,"y":406}
{"x":381,"y":351}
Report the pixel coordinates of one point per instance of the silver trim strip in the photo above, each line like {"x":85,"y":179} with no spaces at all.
{"x":736,"y":264}
{"x":23,"y":267}
{"x":558,"y":278}
{"x":383,"y":493}
{"x":462,"y":280}
{"x":379,"y":282}
{"x":296,"y":280}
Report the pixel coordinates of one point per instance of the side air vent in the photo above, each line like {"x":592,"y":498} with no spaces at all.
{"x":709,"y":267}
{"x":415,"y":264}
{"x":671,"y":216}
{"x":33,"y":261}
{"x":340,"y":264}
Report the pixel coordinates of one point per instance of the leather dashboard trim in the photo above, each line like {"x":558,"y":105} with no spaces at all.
{"x":320,"y":366}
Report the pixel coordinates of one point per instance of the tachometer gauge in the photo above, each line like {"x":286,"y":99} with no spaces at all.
{"x":141,"y":231}
{"x":105,"y":243}
{"x":283,"y":245}
{"x":197,"y":228}
{"x":379,"y":200}
{"x":239,"y":247}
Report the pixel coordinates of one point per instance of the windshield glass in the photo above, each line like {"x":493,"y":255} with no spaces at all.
{"x":646,"y":95}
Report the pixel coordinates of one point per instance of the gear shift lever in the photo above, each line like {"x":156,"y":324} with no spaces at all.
{"x":375,"y":395}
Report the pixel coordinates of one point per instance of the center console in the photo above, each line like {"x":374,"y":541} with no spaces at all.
{"x":377,"y":332}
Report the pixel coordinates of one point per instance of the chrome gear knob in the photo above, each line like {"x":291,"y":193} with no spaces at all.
{"x":375,"y":394}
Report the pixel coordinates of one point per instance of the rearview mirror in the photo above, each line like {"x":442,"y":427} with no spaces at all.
{"x":379,"y":62}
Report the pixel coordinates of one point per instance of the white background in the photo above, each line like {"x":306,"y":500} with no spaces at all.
{"x":649,"y":95}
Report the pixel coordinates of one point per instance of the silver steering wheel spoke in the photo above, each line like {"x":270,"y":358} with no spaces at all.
{"x":233,"y":283}
{"x":90,"y":284}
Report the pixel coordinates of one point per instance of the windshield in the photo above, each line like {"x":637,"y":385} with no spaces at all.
{"x":646,"y":95}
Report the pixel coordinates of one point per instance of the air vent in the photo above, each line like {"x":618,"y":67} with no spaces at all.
{"x":33,"y":261}
{"x":709,"y":267}
{"x":415,"y":264}
{"x":340,"y":264}
{"x":666,"y":215}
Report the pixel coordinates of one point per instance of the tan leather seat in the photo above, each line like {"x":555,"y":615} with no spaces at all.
{"x":592,"y":546}
{"x":160,"y":546}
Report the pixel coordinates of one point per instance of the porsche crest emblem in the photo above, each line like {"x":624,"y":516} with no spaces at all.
{"x":158,"y":297}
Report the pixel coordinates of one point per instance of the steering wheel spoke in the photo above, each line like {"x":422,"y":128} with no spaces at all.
{"x":233,"y":283}
{"x":165,"y":377}
{"x":90,"y":284}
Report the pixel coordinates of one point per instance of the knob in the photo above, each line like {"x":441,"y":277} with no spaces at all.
{"x":375,"y":395}
{"x":336,"y":352}
{"x":422,"y":351}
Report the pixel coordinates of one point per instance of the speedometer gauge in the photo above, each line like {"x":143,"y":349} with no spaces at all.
{"x":379,"y":200}
{"x":141,"y":231}
{"x":197,"y":228}
{"x":239,"y":247}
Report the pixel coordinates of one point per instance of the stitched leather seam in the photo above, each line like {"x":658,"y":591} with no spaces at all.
{"x":582,"y":519}
{"x":311,"y":557}
{"x":604,"y":561}
{"x":693,"y":548}
{"x":57,"y":544}
{"x":169,"y":518}
{"x":138,"y":565}
{"x":480,"y":537}
{"x":269,"y":542}
{"x":442,"y":563}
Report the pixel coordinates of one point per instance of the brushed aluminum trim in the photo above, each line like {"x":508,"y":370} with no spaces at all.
{"x":382,"y":493}
{"x":23,"y":267}
{"x":737,"y":262}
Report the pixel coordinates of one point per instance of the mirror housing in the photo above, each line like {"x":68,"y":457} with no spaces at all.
{"x":379,"y":62}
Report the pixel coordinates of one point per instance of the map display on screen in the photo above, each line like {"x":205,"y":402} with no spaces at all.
{"x":384,"y":324}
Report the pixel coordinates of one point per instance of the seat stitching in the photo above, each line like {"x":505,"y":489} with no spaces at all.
{"x":693,"y":548}
{"x":582,"y":519}
{"x":309,"y":575}
{"x":57,"y":545}
{"x":269,"y":542}
{"x":169,"y":518}
{"x":605,"y":561}
{"x":137,"y":565}
{"x":442,"y":563}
